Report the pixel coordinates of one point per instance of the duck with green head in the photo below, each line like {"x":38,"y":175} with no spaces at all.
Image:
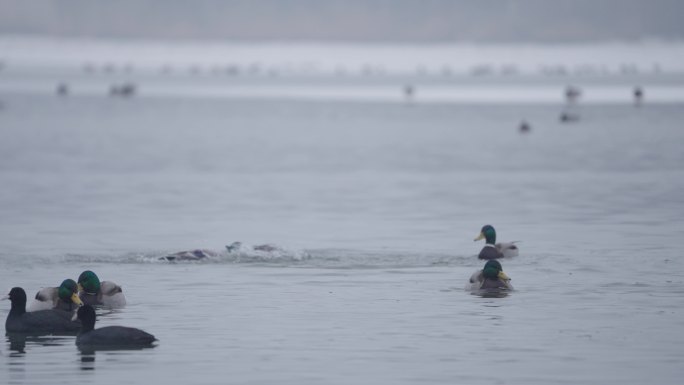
{"x":490,"y":277}
{"x":64,"y":297}
{"x":493,"y":250}
{"x":94,"y":292}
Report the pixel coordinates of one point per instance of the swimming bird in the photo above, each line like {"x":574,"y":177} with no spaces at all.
{"x":94,"y":292}
{"x":572,"y":93}
{"x":108,"y":336}
{"x":189,"y":255}
{"x":43,"y":321}
{"x":638,"y":93}
{"x":409,"y":91}
{"x":123,"y":90}
{"x":237,"y":246}
{"x":64,"y":297}
{"x":62,"y":89}
{"x":569,"y":117}
{"x":524,"y":127}
{"x":493,"y":250}
{"x":490,"y":277}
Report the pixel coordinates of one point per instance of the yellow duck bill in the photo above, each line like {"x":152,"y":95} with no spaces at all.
{"x":76,"y":299}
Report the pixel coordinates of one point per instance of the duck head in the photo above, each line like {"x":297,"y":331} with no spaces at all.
{"x":488,"y":233}
{"x":68,"y":292}
{"x":88,"y":282}
{"x":493,"y":270}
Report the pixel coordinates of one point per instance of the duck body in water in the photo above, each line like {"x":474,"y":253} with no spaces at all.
{"x":64,"y":297}
{"x":493,"y":250}
{"x":94,"y":292}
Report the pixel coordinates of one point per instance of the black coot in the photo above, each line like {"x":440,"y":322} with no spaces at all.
{"x":109,"y":336}
{"x":44,"y":321}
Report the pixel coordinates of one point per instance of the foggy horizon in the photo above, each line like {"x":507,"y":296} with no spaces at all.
{"x":440,"y":21}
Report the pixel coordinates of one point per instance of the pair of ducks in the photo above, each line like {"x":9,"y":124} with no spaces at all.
{"x":61,"y":318}
{"x":89,"y":290}
{"x":492,"y":275}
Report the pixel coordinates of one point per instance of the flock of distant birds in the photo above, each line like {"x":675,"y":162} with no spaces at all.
{"x":572,"y":94}
{"x":568,"y":115}
{"x":125,"y":89}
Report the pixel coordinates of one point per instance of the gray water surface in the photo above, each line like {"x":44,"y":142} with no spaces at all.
{"x":373,"y":207}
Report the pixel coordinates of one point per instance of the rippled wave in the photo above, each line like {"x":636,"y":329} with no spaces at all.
{"x":248,"y":254}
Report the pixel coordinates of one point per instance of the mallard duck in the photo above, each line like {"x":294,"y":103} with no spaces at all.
{"x":42,"y":321}
{"x":64,"y":297}
{"x":493,"y":250}
{"x":490,"y":277}
{"x":94,"y":292}
{"x":108,"y":336}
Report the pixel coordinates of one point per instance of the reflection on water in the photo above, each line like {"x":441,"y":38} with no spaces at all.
{"x":22,"y":345}
{"x":87,"y":360}
{"x":91,"y":350}
{"x":17,"y":341}
{"x":27,"y":350}
{"x":491,"y":293}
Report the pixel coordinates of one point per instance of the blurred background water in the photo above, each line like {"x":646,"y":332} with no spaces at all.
{"x":371,"y":196}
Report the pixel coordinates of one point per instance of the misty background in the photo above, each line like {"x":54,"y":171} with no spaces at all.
{"x":349,"y":20}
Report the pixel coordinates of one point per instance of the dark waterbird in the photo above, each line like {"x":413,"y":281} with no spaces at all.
{"x":109,"y":337}
{"x":123,"y":90}
{"x":638,"y":93}
{"x":572,"y":93}
{"x":524,"y":127}
{"x":569,"y":117}
{"x":44,"y":321}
